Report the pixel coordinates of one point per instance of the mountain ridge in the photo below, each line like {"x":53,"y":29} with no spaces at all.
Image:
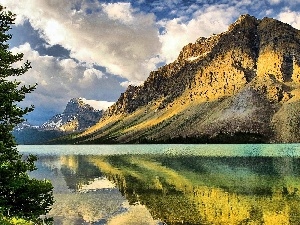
{"x":238,"y":86}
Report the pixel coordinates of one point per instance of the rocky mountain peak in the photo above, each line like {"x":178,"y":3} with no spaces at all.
{"x":242,"y":82}
{"x":244,"y":21}
{"x":210,"y":58}
{"x":77,"y":105}
{"x":220,"y":65}
{"x":78,"y":115}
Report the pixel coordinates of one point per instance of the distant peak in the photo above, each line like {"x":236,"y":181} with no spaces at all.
{"x":267,"y":21}
{"x":245,"y":17}
{"x":75,"y":100}
{"x":244,"y":20}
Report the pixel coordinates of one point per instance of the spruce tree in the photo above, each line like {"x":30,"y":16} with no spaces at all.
{"x":20,"y":196}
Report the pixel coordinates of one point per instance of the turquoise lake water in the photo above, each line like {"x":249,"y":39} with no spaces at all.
{"x":172,"y":184}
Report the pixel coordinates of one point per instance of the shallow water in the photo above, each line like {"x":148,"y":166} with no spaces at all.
{"x":172,"y":184}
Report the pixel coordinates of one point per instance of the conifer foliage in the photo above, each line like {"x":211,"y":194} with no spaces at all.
{"x":20,"y":196}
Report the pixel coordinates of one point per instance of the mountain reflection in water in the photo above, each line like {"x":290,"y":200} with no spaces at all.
{"x":173,"y":189}
{"x":83,"y":195}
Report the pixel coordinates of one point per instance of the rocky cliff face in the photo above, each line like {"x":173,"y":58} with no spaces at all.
{"x":238,"y":86}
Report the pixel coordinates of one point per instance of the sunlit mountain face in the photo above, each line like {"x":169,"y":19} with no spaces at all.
{"x":175,"y":189}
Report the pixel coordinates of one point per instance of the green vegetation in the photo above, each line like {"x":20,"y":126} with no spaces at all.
{"x":22,"y":200}
{"x":33,"y":136}
{"x":14,"y":221}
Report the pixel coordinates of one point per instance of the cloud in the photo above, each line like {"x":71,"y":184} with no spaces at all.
{"x":89,"y":73}
{"x":59,"y":80}
{"x":125,"y":40}
{"x":274,"y":2}
{"x":285,"y":2}
{"x":119,"y":11}
{"x":125,"y":84}
{"x":205,"y":22}
{"x":113,"y":35}
{"x":100,"y":105}
{"x":290,"y":17}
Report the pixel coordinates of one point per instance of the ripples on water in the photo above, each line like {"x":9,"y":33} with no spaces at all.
{"x":172,"y":184}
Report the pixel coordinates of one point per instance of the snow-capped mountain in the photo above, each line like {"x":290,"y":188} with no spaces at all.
{"x":79,"y":114}
{"x":24,"y":125}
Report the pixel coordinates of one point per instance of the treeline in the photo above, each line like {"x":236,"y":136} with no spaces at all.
{"x":221,"y":138}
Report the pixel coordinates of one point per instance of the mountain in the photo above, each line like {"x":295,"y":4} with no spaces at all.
{"x":32,"y":135}
{"x":78,"y":115}
{"x":25,"y":125}
{"x":240,"y":86}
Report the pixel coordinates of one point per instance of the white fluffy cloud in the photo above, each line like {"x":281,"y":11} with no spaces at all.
{"x":205,"y":22}
{"x":119,"y":11}
{"x":59,"y":80}
{"x":89,"y":73}
{"x":290,"y":17}
{"x":100,"y":105}
{"x":114,"y":35}
{"x":274,"y":2}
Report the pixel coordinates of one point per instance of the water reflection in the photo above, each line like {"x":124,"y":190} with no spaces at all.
{"x":175,"y":189}
{"x":83,"y":195}
{"x":208,"y":190}
{"x":77,"y":171}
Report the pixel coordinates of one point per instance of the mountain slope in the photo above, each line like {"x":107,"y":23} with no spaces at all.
{"x":238,"y":86}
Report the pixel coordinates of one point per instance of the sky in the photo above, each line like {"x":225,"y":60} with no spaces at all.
{"x":94,"y":49}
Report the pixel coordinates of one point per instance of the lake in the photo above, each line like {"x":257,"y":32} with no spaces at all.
{"x":171,"y":184}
